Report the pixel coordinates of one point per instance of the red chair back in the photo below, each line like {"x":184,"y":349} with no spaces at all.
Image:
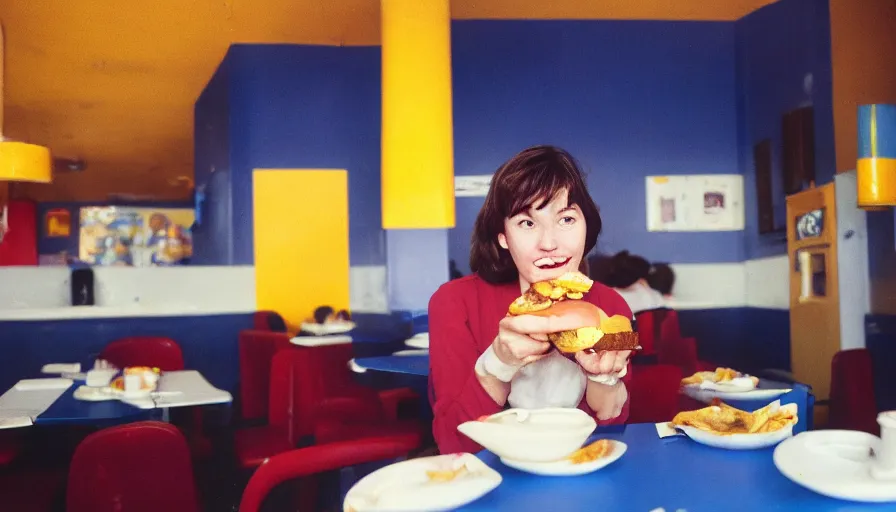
{"x":852,"y":400}
{"x":670,"y":329}
{"x":256,"y":351}
{"x":680,"y":352}
{"x":317,"y":459}
{"x":648,"y":325}
{"x":156,"y":351}
{"x":654,"y":393}
{"x":303,"y":378}
{"x":139,"y":467}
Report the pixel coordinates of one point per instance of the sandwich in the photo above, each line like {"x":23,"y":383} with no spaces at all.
{"x":562,"y":297}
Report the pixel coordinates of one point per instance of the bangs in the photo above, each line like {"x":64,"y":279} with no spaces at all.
{"x":537,"y":188}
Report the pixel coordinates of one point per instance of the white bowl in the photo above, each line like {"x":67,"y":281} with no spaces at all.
{"x":532,"y":435}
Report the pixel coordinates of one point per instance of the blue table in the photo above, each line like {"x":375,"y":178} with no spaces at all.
{"x":67,"y":410}
{"x":674,"y":473}
{"x":409,"y":365}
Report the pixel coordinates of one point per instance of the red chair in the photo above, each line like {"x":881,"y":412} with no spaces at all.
{"x":670,"y":328}
{"x":10,"y":446}
{"x":682,"y":352}
{"x":317,"y":459}
{"x":270,"y":321}
{"x":166,"y":355}
{"x":256,"y":350}
{"x":654,"y":393}
{"x":155,"y":351}
{"x":310,"y":401}
{"x":852,"y":401}
{"x":139,"y":467}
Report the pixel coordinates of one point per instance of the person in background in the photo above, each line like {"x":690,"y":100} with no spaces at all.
{"x":628,"y":276}
{"x":537,"y":223}
{"x":661,"y":278}
{"x":453,"y":271}
{"x":323,"y":314}
{"x":599,"y":268}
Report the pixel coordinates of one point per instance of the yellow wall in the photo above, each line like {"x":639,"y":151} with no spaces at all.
{"x":863,"y":38}
{"x":301,"y":241}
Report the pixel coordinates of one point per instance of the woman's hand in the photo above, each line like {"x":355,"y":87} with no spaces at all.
{"x":603,"y":362}
{"x":606,"y":401}
{"x":522,"y":339}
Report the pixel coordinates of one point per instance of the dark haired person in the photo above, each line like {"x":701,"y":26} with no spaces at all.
{"x":629,"y":277}
{"x":537,"y":223}
{"x":662,"y":279}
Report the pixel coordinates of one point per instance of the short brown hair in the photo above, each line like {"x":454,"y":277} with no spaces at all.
{"x":530,"y":179}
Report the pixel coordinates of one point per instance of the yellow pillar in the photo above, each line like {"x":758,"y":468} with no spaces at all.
{"x":417,"y":138}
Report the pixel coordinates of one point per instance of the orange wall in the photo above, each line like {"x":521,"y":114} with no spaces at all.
{"x":863,"y":39}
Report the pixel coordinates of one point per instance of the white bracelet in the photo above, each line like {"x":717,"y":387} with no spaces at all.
{"x":489,"y":364}
{"x":610,"y":379}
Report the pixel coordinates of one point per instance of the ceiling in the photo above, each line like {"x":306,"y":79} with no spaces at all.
{"x":116,"y":86}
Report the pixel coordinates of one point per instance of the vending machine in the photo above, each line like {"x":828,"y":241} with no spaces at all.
{"x":827,"y":246}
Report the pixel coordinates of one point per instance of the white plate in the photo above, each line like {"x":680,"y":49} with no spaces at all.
{"x":416,"y":352}
{"x":834,"y":463}
{"x":418,"y":341}
{"x":707,"y":395}
{"x":744,"y":441}
{"x":404,"y":486}
{"x":332,"y":328}
{"x":738,"y":441}
{"x":92,"y":394}
{"x":567,"y":468}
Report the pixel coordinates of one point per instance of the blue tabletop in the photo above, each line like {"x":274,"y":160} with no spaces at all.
{"x":67,"y":410}
{"x":410,"y":365}
{"x":673,"y":473}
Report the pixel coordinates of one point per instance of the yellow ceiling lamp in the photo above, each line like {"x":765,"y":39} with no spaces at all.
{"x":417,"y":138}
{"x":20,"y":161}
{"x":876,"y":168}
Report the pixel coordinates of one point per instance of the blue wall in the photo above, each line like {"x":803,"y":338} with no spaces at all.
{"x":209,"y":343}
{"x":627,"y":98}
{"x":213,"y":237}
{"x":777,"y":47}
{"x":308,"y":107}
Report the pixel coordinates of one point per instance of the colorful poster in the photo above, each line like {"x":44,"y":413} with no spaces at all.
{"x":140,"y":237}
{"x":58,"y":223}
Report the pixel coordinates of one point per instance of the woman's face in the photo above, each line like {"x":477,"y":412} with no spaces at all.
{"x":545,"y":243}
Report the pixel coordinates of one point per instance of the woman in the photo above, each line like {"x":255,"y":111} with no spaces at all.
{"x":537,"y":223}
{"x":629,"y":277}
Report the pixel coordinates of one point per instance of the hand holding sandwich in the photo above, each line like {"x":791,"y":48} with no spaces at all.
{"x":524,"y":339}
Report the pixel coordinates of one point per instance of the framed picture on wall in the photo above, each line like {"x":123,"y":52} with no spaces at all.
{"x":699,"y":202}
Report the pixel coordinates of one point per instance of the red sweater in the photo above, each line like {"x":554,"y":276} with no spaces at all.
{"x":463,"y":322}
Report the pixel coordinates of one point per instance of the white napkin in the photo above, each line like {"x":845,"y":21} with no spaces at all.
{"x":39,"y":384}
{"x":665,"y":429}
{"x":61,"y":368}
{"x":737,"y":384}
{"x":15,"y":422}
